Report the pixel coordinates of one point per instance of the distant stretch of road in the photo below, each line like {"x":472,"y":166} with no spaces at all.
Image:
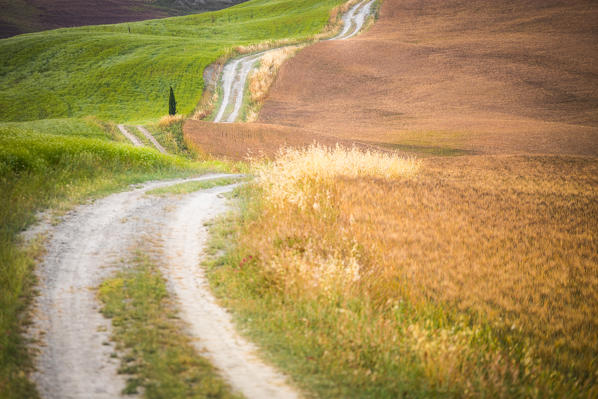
{"x":236,"y":71}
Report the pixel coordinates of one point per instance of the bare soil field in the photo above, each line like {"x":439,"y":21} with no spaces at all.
{"x":482,"y":76}
{"x":24,"y":16}
{"x":237,"y":141}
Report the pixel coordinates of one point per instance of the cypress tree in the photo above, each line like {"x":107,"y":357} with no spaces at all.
{"x":171,"y":103}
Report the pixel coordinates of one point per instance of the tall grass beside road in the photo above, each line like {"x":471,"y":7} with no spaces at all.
{"x":368,"y":276}
{"x":39,"y":171}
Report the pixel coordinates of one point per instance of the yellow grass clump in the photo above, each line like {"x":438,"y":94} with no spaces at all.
{"x":261,"y":79}
{"x":296,"y":172}
{"x":168,"y":120}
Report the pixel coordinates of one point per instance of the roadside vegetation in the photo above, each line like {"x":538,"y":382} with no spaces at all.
{"x":152,"y":345}
{"x":169,"y":133}
{"x":63,"y":91}
{"x":191,"y":186}
{"x":262,"y":78}
{"x":448,"y":277}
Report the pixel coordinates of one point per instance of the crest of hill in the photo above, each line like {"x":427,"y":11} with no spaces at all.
{"x":24,"y":16}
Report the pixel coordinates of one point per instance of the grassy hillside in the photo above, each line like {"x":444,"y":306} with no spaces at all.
{"x":115,"y":75}
{"x":22,"y":16}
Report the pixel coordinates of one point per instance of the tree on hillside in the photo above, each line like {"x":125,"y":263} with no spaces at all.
{"x":171,"y":103}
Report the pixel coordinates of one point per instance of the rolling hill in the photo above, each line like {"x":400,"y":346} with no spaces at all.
{"x":24,"y":16}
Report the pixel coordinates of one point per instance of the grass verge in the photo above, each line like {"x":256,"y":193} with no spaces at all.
{"x":191,"y":186}
{"x":473,"y":277}
{"x":169,"y":133}
{"x":158,"y":356}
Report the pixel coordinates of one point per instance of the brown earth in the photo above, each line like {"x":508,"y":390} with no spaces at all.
{"x":22,"y":16}
{"x":484,"y":76}
{"x":238,"y":141}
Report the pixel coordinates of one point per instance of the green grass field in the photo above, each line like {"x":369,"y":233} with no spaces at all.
{"x":106,"y":72}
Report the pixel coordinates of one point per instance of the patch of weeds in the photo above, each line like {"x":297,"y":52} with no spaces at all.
{"x":191,"y":186}
{"x":156,"y":355}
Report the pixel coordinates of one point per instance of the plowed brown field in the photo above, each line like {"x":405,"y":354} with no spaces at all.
{"x":484,"y":76}
{"x":238,"y":141}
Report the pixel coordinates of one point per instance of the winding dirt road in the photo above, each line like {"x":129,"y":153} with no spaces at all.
{"x":217,"y":339}
{"x":354,"y":19}
{"x":74,"y":359}
{"x":236,"y":71}
{"x":73,"y":338}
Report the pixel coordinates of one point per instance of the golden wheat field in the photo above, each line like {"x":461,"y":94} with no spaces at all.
{"x":510,"y":241}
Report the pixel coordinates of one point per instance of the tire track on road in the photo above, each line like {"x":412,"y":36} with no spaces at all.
{"x":135,"y":140}
{"x":130,"y":136}
{"x":151,"y":138}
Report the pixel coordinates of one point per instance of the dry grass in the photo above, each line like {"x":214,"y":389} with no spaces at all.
{"x":262,"y":78}
{"x":169,"y":120}
{"x":297,"y":174}
{"x":507,"y":245}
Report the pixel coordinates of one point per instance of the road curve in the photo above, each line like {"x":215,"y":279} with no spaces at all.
{"x":354,"y":19}
{"x":217,"y":339}
{"x":73,"y":338}
{"x":234,"y":78}
{"x":236,"y":71}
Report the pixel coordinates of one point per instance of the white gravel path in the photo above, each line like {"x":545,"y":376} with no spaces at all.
{"x":74,"y":350}
{"x":354,"y":19}
{"x":217,"y":339}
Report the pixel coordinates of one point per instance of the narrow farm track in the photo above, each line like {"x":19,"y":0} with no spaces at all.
{"x":151,"y":138}
{"x":209,"y":323}
{"x":354,"y":19}
{"x":134,"y":140}
{"x":236,"y":71}
{"x":74,"y":351}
